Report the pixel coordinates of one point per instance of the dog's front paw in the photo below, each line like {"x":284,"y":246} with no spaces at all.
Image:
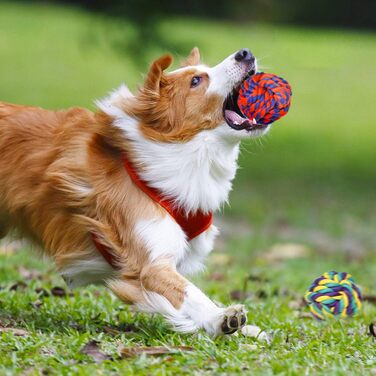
{"x":234,"y":318}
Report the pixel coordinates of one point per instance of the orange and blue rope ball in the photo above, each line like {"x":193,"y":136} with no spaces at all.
{"x":334,"y":295}
{"x":264,"y":98}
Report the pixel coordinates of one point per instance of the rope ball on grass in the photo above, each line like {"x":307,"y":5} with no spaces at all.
{"x":334,"y":294}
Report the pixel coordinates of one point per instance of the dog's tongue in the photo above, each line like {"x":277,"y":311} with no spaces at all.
{"x":235,"y":118}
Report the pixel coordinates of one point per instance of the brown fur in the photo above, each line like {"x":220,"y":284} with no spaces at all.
{"x":62,"y":178}
{"x":169,"y":109}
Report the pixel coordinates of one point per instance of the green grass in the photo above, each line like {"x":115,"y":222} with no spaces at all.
{"x":311,"y":181}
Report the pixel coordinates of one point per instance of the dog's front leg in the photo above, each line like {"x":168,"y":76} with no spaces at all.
{"x":163,"y":290}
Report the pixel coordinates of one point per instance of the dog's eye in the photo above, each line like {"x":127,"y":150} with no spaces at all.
{"x":196,"y":80}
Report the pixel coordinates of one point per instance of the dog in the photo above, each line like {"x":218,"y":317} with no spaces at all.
{"x":124,"y":196}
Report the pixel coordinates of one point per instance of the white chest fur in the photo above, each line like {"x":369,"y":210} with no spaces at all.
{"x":196,"y":174}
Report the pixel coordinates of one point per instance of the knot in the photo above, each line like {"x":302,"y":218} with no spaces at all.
{"x":333,"y":294}
{"x":264,"y":97}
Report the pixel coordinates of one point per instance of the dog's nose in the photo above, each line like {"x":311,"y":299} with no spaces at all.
{"x":244,"y":55}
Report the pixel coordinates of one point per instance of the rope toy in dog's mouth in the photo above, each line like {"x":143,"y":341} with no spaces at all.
{"x":264,"y":98}
{"x":334,"y":294}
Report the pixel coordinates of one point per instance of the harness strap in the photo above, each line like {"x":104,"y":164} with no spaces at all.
{"x":192,"y":224}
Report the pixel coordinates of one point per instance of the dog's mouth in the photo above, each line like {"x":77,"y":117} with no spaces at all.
{"x":232,"y":114}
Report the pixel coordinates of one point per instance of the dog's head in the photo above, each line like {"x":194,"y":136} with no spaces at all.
{"x":175,"y":106}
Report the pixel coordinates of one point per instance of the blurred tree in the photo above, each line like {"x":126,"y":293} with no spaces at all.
{"x":144,"y":15}
{"x":333,"y":13}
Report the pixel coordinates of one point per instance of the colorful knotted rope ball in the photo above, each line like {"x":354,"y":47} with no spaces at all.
{"x":334,"y":294}
{"x":264,"y":98}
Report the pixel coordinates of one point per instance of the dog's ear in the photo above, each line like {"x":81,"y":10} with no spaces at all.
{"x":193,"y":58}
{"x":155,"y":73}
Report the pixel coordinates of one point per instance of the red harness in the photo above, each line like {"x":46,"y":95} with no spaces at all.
{"x":192,"y":224}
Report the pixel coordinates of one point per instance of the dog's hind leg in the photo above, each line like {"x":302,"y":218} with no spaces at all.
{"x":127,"y":290}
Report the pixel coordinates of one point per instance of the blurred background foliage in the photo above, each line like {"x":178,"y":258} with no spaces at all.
{"x":144,"y":15}
{"x":334,"y":13}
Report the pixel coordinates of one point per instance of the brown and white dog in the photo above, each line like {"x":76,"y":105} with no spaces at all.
{"x":63,"y":185}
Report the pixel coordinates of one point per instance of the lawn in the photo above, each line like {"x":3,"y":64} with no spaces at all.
{"x":308,"y":186}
